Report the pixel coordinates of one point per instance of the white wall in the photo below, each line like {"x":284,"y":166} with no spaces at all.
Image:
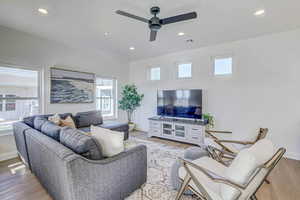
{"x":18,"y":48}
{"x":262,"y":92}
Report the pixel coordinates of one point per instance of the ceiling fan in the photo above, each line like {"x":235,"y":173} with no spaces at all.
{"x":155,"y":23}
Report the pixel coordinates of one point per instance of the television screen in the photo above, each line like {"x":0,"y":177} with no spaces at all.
{"x":180,"y":103}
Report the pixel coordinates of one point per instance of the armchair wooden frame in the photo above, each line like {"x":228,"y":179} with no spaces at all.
{"x":190,"y":176}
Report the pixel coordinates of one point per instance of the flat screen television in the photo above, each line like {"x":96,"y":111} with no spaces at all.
{"x":180,"y":103}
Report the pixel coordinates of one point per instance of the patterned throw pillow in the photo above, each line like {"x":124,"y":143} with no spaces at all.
{"x":55,"y":119}
{"x":67,"y":122}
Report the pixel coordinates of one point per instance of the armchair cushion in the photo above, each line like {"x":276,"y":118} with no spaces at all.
{"x":240,"y":171}
{"x":211,"y":187}
{"x":263,"y":151}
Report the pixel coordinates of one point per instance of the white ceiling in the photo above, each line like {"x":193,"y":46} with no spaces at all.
{"x":82,"y":23}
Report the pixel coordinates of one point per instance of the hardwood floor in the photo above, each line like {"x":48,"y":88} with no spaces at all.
{"x":17,"y":183}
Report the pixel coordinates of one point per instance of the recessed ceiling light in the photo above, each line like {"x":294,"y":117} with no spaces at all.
{"x":260,"y":12}
{"x":106,"y":33}
{"x":43,"y":11}
{"x":181,"y":34}
{"x":131,"y":48}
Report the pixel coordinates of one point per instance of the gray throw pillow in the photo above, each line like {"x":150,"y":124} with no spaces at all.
{"x":80,"y":143}
{"x":50,"y":129}
{"x":38,"y":122}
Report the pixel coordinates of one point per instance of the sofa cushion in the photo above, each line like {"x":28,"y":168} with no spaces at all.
{"x":80,"y":143}
{"x":116,"y":126}
{"x":50,"y":129}
{"x":38,"y":122}
{"x":84,"y":119}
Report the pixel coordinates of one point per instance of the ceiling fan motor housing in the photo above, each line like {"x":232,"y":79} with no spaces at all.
{"x":154,"y":23}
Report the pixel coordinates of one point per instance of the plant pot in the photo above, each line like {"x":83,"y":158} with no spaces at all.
{"x":131,"y":127}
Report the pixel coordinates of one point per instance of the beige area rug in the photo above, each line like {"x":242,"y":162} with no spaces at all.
{"x":160,"y":160}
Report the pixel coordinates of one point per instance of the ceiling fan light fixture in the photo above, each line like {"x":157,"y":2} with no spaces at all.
{"x":260,"y":12}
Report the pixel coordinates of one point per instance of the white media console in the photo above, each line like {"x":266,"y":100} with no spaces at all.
{"x":182,"y":130}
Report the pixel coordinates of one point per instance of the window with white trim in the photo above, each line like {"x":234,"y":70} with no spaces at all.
{"x":155,"y":73}
{"x":19,"y":95}
{"x":184,"y":70}
{"x":223,"y":65}
{"x":106,"y":100}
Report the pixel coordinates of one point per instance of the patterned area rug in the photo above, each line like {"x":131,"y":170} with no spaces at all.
{"x":160,"y":160}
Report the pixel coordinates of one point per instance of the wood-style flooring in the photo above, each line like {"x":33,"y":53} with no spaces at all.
{"x":17,"y":183}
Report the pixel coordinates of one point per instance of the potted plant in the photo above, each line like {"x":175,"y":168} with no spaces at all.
{"x":130,"y":100}
{"x":210,"y":120}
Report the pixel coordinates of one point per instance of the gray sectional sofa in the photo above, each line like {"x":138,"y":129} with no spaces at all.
{"x":70,"y":164}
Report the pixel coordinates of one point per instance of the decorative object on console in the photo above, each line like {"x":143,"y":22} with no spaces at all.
{"x":71,"y":86}
{"x":129,"y":102}
{"x":210,"y":120}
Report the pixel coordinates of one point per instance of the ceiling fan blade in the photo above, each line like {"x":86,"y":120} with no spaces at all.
{"x":120,"y":12}
{"x":179,"y":18}
{"x":153,"y":35}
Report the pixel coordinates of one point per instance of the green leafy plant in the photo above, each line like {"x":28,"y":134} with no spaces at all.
{"x":210,"y":119}
{"x":130,"y":100}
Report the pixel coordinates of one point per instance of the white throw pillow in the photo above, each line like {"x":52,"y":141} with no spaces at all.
{"x":112,"y":142}
{"x":55,"y":119}
{"x":240,"y":171}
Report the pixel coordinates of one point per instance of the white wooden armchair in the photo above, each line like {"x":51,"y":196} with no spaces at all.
{"x":231,"y":146}
{"x":210,"y":180}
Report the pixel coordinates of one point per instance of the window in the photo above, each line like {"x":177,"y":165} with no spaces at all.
{"x":185,"y":70}
{"x":10,"y":104}
{"x":223,"y":66}
{"x":106,"y":96}
{"x":1,"y":102}
{"x":155,"y":74}
{"x":19,"y":95}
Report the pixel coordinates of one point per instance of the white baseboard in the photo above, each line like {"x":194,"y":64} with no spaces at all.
{"x":9,"y":155}
{"x":292,"y":155}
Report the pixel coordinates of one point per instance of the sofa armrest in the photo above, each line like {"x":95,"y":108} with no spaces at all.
{"x":19,"y":129}
{"x":113,"y":178}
